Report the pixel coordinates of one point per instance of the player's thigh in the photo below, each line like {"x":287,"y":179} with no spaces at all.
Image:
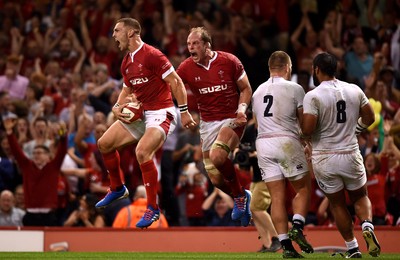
{"x":115,"y":137}
{"x":354,"y":175}
{"x":230,"y":134}
{"x":159,"y":124}
{"x":326,"y":168}
{"x":335,"y":172}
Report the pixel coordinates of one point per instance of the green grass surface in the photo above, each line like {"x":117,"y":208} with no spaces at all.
{"x":182,"y":255}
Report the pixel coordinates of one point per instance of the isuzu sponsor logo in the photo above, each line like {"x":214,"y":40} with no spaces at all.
{"x":138,"y":81}
{"x":212,"y":89}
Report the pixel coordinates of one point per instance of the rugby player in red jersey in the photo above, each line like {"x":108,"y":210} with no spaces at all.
{"x":223,"y":93}
{"x":150,"y":79}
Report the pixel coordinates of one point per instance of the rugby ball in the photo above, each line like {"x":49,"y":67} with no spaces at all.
{"x":133,"y":111}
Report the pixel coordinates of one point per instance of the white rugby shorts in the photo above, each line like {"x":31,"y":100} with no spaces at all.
{"x":335,"y":171}
{"x":281,"y":157}
{"x":164,"y":119}
{"x":209,"y":132}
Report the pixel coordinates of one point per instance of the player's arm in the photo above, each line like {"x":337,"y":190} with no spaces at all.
{"x":121,"y":103}
{"x":179,"y":92}
{"x":244,"y":99}
{"x":367,"y":117}
{"x":308,"y":125}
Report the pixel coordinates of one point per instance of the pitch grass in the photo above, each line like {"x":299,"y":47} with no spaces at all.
{"x":181,"y":255}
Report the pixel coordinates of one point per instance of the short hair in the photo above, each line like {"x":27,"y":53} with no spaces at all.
{"x":204,"y":34}
{"x":326,"y":63}
{"x":278,"y":60}
{"x":132,"y":23}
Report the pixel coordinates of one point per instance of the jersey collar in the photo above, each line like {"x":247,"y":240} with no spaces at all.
{"x":210,"y":61}
{"x":132,"y":54}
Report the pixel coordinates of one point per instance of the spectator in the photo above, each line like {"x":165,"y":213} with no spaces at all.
{"x":102,"y":88}
{"x":41,"y":198}
{"x":188,"y":148}
{"x":19,"y":197}
{"x":78,"y":106}
{"x":376,"y":169}
{"x":9,"y":174}
{"x":128,"y":216}
{"x":12,"y":82}
{"x":193,"y":184}
{"x":86,"y":215}
{"x":309,"y":49}
{"x":62,"y":98}
{"x":358,"y":61}
{"x":9,"y":214}
{"x":218,"y":209}
{"x":23,"y":131}
{"x":40,"y":133}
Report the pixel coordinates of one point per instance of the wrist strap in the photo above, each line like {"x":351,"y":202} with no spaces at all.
{"x":183,"y":108}
{"x":242,"y":107}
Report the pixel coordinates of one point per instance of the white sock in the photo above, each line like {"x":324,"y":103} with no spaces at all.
{"x":352,"y":244}
{"x":283,"y":237}
{"x":366,"y":224}
{"x":299,"y":217}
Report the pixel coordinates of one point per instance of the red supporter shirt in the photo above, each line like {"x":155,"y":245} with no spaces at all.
{"x":143,"y":72}
{"x":376,"y":184}
{"x":214,"y":87}
{"x":40,"y":185}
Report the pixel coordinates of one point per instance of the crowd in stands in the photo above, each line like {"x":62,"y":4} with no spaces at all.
{"x":60,"y":71}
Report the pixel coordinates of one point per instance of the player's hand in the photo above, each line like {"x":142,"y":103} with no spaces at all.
{"x":117,"y":111}
{"x":308,"y":151}
{"x":187,"y":120}
{"x":241,"y":119}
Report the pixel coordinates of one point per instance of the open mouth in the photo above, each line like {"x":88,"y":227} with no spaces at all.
{"x":194,"y":54}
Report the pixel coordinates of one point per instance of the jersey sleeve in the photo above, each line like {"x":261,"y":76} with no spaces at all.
{"x":310,"y":104}
{"x":159,"y":64}
{"x":299,"y":96}
{"x":237,"y":67}
{"x":363,"y":99}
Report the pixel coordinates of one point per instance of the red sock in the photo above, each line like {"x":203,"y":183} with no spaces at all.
{"x":149,"y":175}
{"x":112,"y":163}
{"x":228,"y":171}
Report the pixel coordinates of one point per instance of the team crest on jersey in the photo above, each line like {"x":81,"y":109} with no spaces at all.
{"x":140,"y":67}
{"x":221,"y":74}
{"x":126,"y":71}
{"x":196,"y":79}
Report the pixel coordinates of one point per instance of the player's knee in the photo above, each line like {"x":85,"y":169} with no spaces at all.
{"x":218,"y":153}
{"x":104,"y":145}
{"x":142,"y":154}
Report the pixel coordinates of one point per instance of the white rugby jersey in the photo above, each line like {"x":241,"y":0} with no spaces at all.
{"x":337,"y":105}
{"x":275,"y":104}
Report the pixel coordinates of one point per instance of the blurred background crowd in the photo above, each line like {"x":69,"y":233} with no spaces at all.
{"x":60,"y":67}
